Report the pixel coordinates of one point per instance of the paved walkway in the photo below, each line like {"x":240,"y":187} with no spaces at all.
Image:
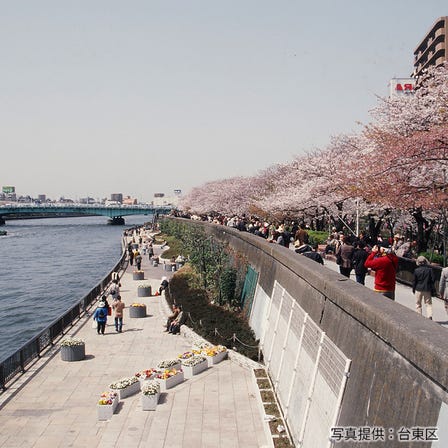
{"x":404,"y":296}
{"x":54,"y":405}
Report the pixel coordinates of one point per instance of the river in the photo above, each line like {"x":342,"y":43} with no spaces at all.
{"x":47,"y":266}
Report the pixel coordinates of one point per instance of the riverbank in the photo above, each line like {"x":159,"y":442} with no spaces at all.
{"x":55,"y":404}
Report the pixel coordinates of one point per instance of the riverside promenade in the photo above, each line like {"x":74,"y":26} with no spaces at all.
{"x":403,"y":295}
{"x":55,"y":403}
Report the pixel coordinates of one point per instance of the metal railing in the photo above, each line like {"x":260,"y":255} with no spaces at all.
{"x":17,"y":363}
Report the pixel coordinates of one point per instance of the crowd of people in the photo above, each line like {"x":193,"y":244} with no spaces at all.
{"x":352,"y":253}
{"x":383,"y":259}
{"x":359,"y":254}
{"x":141,"y":243}
{"x":104,"y":309}
{"x":137,"y":249}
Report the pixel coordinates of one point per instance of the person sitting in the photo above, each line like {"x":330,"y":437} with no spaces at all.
{"x":180,"y":260}
{"x":172,"y":316}
{"x":178,"y":322}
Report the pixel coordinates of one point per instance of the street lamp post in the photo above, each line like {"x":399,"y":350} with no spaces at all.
{"x":357,"y":217}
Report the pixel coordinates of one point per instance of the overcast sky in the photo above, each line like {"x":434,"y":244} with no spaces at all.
{"x":138,"y":97}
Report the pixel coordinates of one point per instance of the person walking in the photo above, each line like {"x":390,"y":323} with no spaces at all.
{"x":345,"y":252}
{"x":100,"y":315}
{"x":150,"y":251}
{"x":423,"y":286}
{"x":118,"y":307}
{"x":138,"y":260}
{"x":384,"y":263}
{"x":131,"y":255}
{"x":114,"y":289}
{"x":359,"y":258}
{"x":443,"y":290}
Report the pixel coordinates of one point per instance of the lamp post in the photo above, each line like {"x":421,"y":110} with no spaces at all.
{"x":357,"y":217}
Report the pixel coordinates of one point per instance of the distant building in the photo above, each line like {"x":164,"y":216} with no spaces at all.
{"x":87,"y":200}
{"x":431,"y":51}
{"x":160,"y":199}
{"x":9,"y":193}
{"x":42,"y":198}
{"x":116,"y":197}
{"x":63,"y":200}
{"x":8,"y":189}
{"x":129,"y":201}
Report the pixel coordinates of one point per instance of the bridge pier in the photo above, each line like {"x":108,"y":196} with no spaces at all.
{"x":2,"y":221}
{"x":117,"y":221}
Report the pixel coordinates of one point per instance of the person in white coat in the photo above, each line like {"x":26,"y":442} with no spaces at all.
{"x":443,"y":289}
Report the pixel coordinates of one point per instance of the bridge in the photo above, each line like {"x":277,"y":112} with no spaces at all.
{"x":115,"y":213}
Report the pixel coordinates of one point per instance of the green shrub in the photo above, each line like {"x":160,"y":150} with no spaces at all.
{"x":433,"y":257}
{"x":221,"y":270}
{"x":317,"y":237}
{"x":212,"y":322}
{"x":227,"y":286}
{"x":175,"y":246}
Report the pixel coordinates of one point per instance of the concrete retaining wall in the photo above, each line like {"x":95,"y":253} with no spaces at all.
{"x":343,"y":356}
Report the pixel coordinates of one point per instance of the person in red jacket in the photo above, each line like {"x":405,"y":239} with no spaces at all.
{"x":385,"y":263}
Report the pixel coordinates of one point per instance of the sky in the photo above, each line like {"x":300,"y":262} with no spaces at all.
{"x":141,"y":97}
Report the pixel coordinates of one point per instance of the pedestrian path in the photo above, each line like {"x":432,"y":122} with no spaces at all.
{"x":54,"y":405}
{"x":404,"y":296}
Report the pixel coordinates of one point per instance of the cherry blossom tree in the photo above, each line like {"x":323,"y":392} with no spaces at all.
{"x":398,"y":163}
{"x":426,"y":108}
{"x":233,"y":196}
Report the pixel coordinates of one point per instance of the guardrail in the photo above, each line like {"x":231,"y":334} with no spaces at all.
{"x":16,"y":363}
{"x":406,"y":268}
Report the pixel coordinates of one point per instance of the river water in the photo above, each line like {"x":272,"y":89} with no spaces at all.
{"x":48,"y":265}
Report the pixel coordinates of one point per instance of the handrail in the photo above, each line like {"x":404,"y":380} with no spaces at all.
{"x":16,"y":363}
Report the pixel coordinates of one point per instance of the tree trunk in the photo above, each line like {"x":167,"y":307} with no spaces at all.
{"x":424,"y":230}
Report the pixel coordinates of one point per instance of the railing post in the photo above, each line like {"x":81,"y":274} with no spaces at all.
{"x":51,"y":336}
{"x":2,"y":377}
{"x":22,"y":361}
